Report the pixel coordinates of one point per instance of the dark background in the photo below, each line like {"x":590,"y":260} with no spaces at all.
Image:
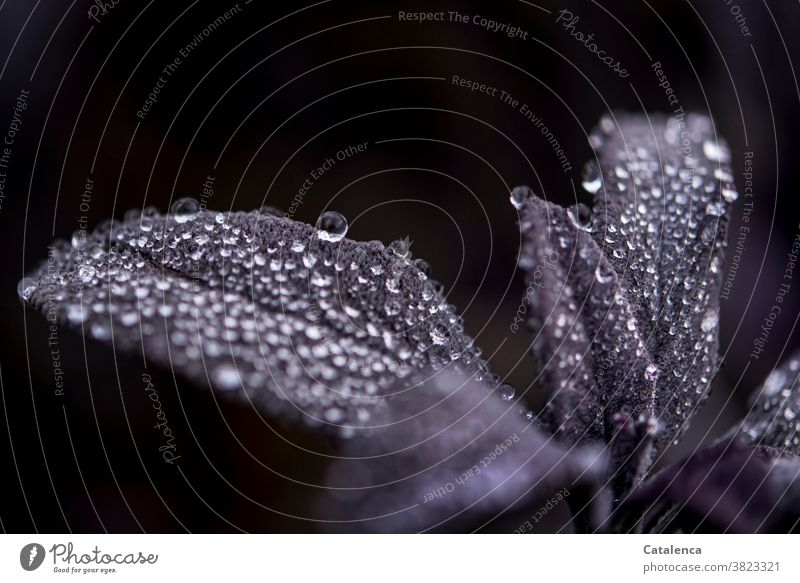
{"x":271,"y":94}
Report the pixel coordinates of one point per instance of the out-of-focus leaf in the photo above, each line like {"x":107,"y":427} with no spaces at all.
{"x":728,"y":487}
{"x":627,"y":316}
{"x":256,"y":305}
{"x":774,"y":418}
{"x":724,"y":488}
{"x":453,"y":456}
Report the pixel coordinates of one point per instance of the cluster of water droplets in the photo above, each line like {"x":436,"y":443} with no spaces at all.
{"x":774,"y":420}
{"x":653,"y":245}
{"x":661,"y":214}
{"x":295,"y":318}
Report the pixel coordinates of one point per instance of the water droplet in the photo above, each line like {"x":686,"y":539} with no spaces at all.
{"x":129,"y":318}
{"x":392,"y":308}
{"x":87,"y":273}
{"x":423,"y":266}
{"x":332,"y":226}
{"x":709,"y":321}
{"x":603,"y":273}
{"x":183,"y":208}
{"x":519,"y":195}
{"x":723,"y":175}
{"x":78,"y":239}
{"x":716,"y":152}
{"x":401,"y":247}
{"x":25,"y":288}
{"x":334,"y":415}
{"x":506,"y":392}
{"x":729,"y":194}
{"x":438,"y":335}
{"x":581,"y":216}
{"x":227,"y":377}
{"x":100,"y":330}
{"x":77,"y":314}
{"x":651,"y":372}
{"x":715,"y":209}
{"x":592,"y":180}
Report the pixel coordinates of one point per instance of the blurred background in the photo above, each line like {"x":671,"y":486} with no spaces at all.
{"x":252,"y":99}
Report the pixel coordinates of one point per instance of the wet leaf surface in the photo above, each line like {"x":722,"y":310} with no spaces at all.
{"x":627,"y":316}
{"x":774,"y":418}
{"x":300,"y":322}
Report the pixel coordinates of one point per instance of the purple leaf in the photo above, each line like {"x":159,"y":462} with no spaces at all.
{"x":303,"y":323}
{"x":627,"y":302}
{"x":774,"y":418}
{"x":728,"y":487}
{"x":453,"y":456}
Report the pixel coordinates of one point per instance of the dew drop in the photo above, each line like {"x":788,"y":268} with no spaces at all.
{"x":438,"y":335}
{"x":603,"y":274}
{"x":332,"y":226}
{"x":592,"y":180}
{"x":100,"y":330}
{"x":78,"y":239}
{"x":716,"y":152}
{"x":724,"y":175}
{"x":423,"y":266}
{"x":651,"y":372}
{"x":182,"y":208}
{"x":400,"y":247}
{"x":519,"y":195}
{"x":392,"y":308}
{"x":129,"y":318}
{"x":729,"y":194}
{"x":506,"y":392}
{"x":309,"y":260}
{"x":227,"y":377}
{"x":77,"y":314}
{"x":715,"y":209}
{"x":87,"y":273}
{"x":25,"y":288}
{"x":581,"y":216}
{"x":709,"y":234}
{"x":334,"y":415}
{"x":709,"y":321}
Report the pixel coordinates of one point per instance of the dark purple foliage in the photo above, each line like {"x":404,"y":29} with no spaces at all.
{"x":319,"y":330}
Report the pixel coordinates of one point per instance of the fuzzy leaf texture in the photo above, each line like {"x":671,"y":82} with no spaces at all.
{"x":748,"y":481}
{"x":452,"y":456}
{"x":774,"y":418}
{"x":259,"y":306}
{"x":626,"y":309}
